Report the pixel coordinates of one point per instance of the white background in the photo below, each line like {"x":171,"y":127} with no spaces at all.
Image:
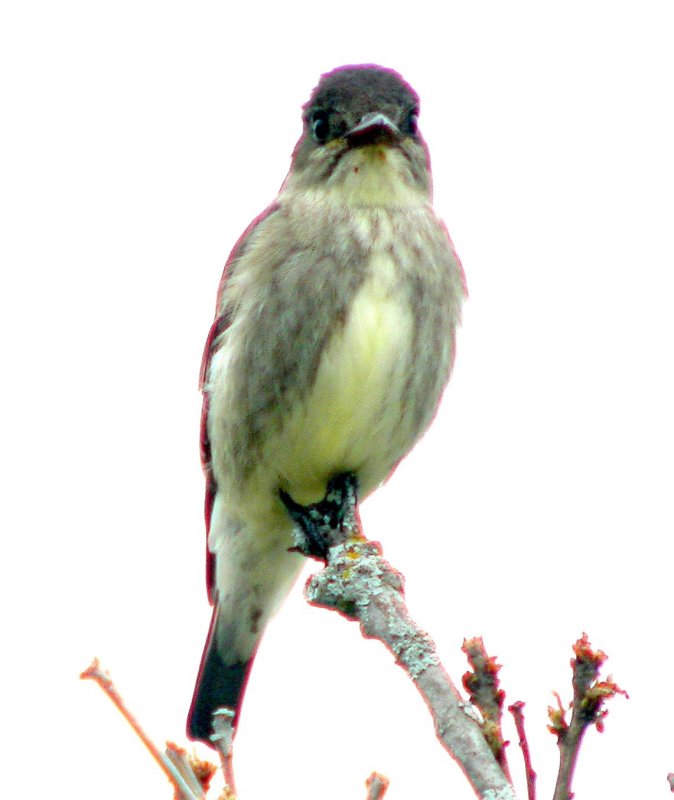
{"x":139,"y":139}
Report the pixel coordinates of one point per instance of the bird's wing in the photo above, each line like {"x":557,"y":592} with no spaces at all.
{"x":457,"y":260}
{"x":219,"y":326}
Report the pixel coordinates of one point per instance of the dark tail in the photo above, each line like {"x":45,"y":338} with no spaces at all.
{"x":218,"y":684}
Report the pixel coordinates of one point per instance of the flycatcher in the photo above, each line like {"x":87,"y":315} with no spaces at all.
{"x":332,"y":343}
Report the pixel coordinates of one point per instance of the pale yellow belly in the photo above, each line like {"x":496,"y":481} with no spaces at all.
{"x":353,"y":419}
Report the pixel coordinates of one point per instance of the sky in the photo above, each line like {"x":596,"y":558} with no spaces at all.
{"x":139,"y":139}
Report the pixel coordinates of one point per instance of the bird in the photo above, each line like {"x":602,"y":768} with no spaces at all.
{"x":333,"y":340}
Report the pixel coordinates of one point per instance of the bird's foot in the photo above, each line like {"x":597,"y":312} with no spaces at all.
{"x":320,"y":526}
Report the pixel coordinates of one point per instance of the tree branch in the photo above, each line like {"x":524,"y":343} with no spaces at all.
{"x":589,"y":696}
{"x":376,"y":786}
{"x":182,"y":788}
{"x":482,"y":685}
{"x":516,"y":709}
{"x":362,"y":586}
{"x":222,"y":738}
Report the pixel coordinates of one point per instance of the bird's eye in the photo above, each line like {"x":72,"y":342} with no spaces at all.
{"x":411,"y":122}
{"x":320,"y":126}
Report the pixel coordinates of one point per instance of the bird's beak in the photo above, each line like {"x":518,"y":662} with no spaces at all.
{"x":374,"y":127}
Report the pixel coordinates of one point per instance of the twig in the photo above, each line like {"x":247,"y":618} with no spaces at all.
{"x":589,"y":696}
{"x":196,"y":772}
{"x":222,"y":738}
{"x":376,"y":786}
{"x":516,"y":709}
{"x":362,"y":586}
{"x":482,"y":685}
{"x":183,"y":790}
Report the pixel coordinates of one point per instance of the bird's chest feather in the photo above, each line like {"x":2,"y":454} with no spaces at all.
{"x":338,"y":349}
{"x":353,"y":416}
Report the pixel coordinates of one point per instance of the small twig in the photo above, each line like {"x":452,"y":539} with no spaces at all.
{"x":482,"y":685}
{"x":589,"y":696}
{"x":183,"y":790}
{"x":222,"y":738}
{"x":196,"y":772}
{"x":516,"y":709}
{"x":376,"y":786}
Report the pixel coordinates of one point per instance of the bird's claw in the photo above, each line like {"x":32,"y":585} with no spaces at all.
{"x":320,"y":526}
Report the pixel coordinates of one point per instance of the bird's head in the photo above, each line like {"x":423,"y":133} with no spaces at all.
{"x":360,"y":142}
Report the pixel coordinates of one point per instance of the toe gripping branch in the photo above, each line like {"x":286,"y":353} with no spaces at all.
{"x":322,"y":525}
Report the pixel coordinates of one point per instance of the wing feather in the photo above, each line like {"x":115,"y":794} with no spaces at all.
{"x":219,"y":326}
